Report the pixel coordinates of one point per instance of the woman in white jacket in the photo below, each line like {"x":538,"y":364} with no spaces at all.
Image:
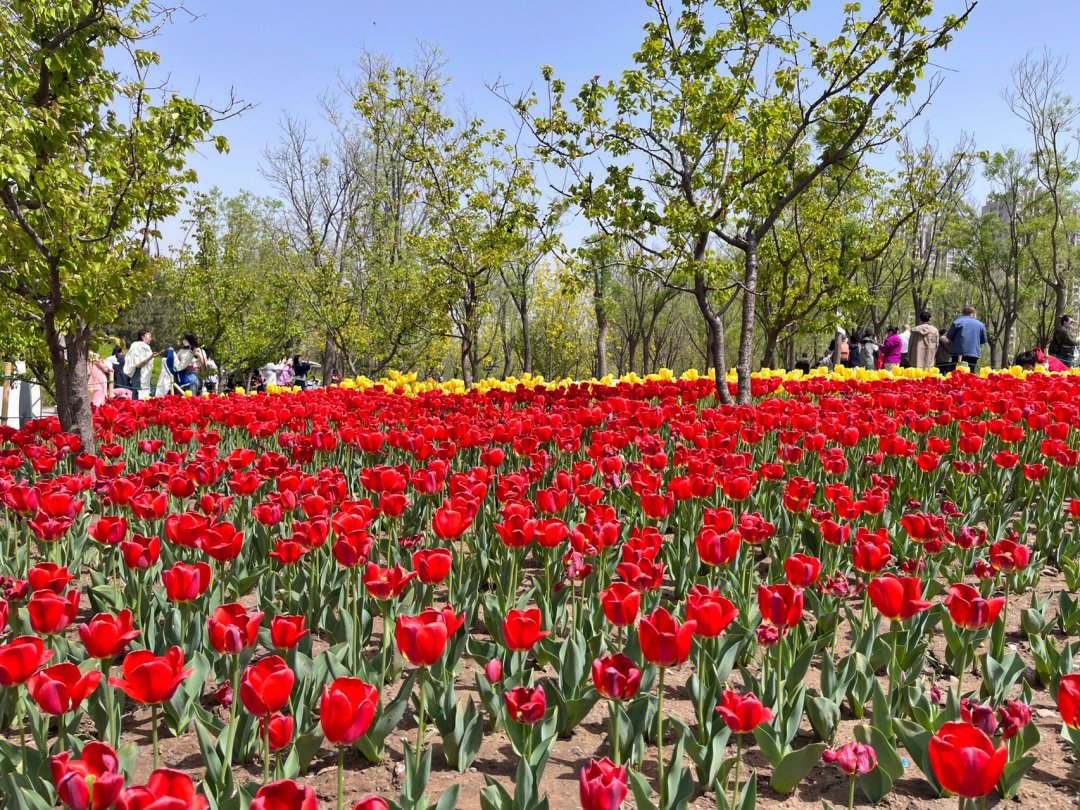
{"x":139,"y":364}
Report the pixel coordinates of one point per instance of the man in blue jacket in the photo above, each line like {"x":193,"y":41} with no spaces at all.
{"x":966,"y":337}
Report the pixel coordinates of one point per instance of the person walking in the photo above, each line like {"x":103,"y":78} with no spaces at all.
{"x":139,"y":364}
{"x":923,"y":346}
{"x":1063,"y":344}
{"x":98,"y":374}
{"x":967,"y":336}
{"x":891,"y":350}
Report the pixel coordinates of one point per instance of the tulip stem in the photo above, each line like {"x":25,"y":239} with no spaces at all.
{"x":113,"y":738}
{"x":266,"y":750}
{"x":340,"y":776}
{"x":892,"y":660}
{"x":22,"y":730}
{"x":738,"y":762}
{"x":660,"y":735}
{"x":421,"y":719}
{"x":779,"y":676}
{"x":616,"y":740}
{"x":701,"y":690}
{"x":851,"y":794}
{"x":154,"y":733}
{"x":356,"y":616}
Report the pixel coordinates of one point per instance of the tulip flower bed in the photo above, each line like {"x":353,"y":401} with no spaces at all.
{"x":850,"y":591}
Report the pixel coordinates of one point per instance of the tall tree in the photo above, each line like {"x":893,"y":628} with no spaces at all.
{"x":90,"y":162}
{"x":729,"y":115}
{"x":1037,"y":98}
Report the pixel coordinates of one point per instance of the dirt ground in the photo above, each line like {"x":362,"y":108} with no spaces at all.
{"x":1051,"y":783}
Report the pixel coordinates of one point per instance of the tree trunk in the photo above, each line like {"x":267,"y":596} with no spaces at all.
{"x":601,"y":344}
{"x":746,"y":330}
{"x":769,"y":358}
{"x":713,"y":322}
{"x":69,"y":355}
{"x":327,"y":362}
{"x":526,"y":338}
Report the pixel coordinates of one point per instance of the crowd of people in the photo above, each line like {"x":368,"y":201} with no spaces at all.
{"x":129,"y":374}
{"x":926,"y":346}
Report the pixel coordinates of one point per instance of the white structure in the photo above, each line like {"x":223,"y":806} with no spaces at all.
{"x":23,"y":401}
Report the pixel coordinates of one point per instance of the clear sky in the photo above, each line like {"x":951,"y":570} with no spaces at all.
{"x":282,"y":54}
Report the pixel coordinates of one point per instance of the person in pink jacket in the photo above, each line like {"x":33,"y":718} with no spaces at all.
{"x":891,"y":350}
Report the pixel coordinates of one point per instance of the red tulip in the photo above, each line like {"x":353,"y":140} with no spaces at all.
{"x":1009,"y":556}
{"x":603,"y":785}
{"x":106,"y":636}
{"x":372,"y":803}
{"x":93,"y":782}
{"x":386,"y":583}
{"x":422,"y":639}
{"x":615,"y":677}
{"x":717,"y":548}
{"x":50,"y":613}
{"x":149,"y":679}
{"x":710,"y":611}
{"x":287,"y":631}
{"x":524,"y":705}
{"x":781,"y":605}
{"x":870,"y":553}
{"x":347,"y":709}
{"x":287,"y":552}
{"x":61,"y":688}
{"x":493,"y":670}
{"x":285,"y":794}
{"x":968,"y":609}
{"x":232,"y":630}
{"x":664,"y":641}
{"x":109,"y":531}
{"x":186,"y":583}
{"x":965,"y":761}
{"x":280,"y":732}
{"x":521,"y":629}
{"x":620,"y":603}
{"x":1068,"y":698}
{"x":802,"y":570}
{"x":166,"y":789}
{"x":897,"y":598}
{"x":266,"y":685}
{"x":854,"y":759}
{"x":20,"y":658}
{"x":432,"y":565}
{"x":48,"y":576}
{"x":742,"y":713}
{"x":140,"y":552}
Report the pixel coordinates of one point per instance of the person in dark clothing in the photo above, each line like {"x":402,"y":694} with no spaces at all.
{"x":301,"y":368}
{"x":803,"y":364}
{"x":1063,"y":344}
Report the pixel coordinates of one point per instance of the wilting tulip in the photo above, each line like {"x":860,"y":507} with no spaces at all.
{"x":386,"y":583}
{"x":603,"y":785}
{"x":854,"y":759}
{"x":92,"y":782}
{"x":965,"y":761}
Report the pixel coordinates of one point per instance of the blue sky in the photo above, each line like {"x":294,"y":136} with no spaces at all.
{"x":282,"y":54}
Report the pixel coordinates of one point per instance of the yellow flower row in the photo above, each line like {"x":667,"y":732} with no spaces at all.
{"x":412,"y":386}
